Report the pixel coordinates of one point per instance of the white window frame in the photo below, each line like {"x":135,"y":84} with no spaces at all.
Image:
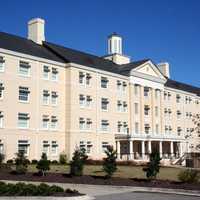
{"x":24,"y":65}
{"x":24,"y":144}
{"x":104,"y":104}
{"x":1,"y":119}
{"x":104,"y":146}
{"x":2,"y":64}
{"x":25,"y":94}
{"x":45,"y":97}
{"x":54,"y":74}
{"x":45,"y":122}
{"x":45,"y":144}
{"x":54,"y":123}
{"x":45,"y":71}
{"x":54,"y":144}
{"x":104,"y":82}
{"x":104,"y":125}
{"x":54,"y":96}
{"x":1,"y":90}
{"x":23,"y":116}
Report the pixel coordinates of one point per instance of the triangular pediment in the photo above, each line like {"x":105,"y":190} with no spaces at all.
{"x":149,"y":69}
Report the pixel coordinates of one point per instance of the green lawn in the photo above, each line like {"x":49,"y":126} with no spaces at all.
{"x":123,"y":171}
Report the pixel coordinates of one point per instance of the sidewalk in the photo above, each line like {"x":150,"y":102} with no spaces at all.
{"x":99,"y":190}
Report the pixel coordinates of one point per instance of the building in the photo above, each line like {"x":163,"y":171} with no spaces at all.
{"x":54,"y":99}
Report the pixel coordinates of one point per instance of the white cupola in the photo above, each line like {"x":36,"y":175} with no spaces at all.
{"x":114,"y":44}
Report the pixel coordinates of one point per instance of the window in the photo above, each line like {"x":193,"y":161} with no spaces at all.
{"x":88,"y":101}
{"x":122,"y":127}
{"x":136,"y":108}
{"x":146,"y":110}
{"x":1,"y":90}
{"x":179,"y":130}
{"x":156,"y":111}
{"x":178,"y":98}
{"x":54,"y":76}
{"x":124,"y":85}
{"x":54,"y":123}
{"x":104,"y":82}
{"x":146,"y":128}
{"x":86,"y":146}
{"x":24,"y":68}
{"x":157,"y":129}
{"x":1,"y":119}
{"x":45,"y":147}
{"x":119,"y":86}
{"x":119,"y":127}
{"x":23,"y":147}
{"x":146,"y":91}
{"x":119,"y":106}
{"x":2,"y":64}
{"x":166,"y":129}
{"x":1,"y":147}
{"x":178,"y":114}
{"x":88,"y":123}
{"x":54,"y":98}
{"x":81,"y":100}
{"x":125,"y":106}
{"x":23,"y":120}
{"x":45,"y":122}
{"x":46,"y":71}
{"x":88,"y":77}
{"x":54,"y":148}
{"x":81,"y":123}
{"x":46,"y":95}
{"x":169,"y":95}
{"x":81,"y":78}
{"x":105,"y":146}
{"x":136,"y":127}
{"x":104,"y":125}
{"x":24,"y":94}
{"x":104,"y":104}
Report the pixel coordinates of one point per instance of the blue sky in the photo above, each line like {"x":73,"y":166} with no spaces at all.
{"x":163,"y":30}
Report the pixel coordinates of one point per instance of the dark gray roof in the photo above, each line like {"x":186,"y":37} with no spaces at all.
{"x":182,"y":86}
{"x":22,"y":45}
{"x":66,"y":55}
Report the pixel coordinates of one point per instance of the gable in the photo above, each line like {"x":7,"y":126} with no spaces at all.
{"x":149,"y":69}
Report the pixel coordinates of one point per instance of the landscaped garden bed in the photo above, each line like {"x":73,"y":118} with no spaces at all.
{"x":99,"y":180}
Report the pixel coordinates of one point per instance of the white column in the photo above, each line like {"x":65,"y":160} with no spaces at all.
{"x":160,"y":149}
{"x":131,"y":150}
{"x":143,"y":149}
{"x":149,"y":146}
{"x":118,"y":149}
{"x":172,"y":148}
{"x":181,"y":149}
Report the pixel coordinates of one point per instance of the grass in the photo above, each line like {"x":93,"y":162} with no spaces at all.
{"x":166,"y":173}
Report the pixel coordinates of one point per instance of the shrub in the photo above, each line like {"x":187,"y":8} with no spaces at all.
{"x":153,"y":167}
{"x":10,"y":161}
{"x":43,"y":165}
{"x":63,"y":159}
{"x":56,"y":189}
{"x":34,"y":162}
{"x":2,"y":157}
{"x":78,"y":161}
{"x":189,"y":176}
{"x":54,"y":162}
{"x":21,"y":163}
{"x":43,"y":189}
{"x":110,"y":164}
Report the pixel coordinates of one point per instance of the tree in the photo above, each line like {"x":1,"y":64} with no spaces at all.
{"x":21,"y":163}
{"x":153,"y":167}
{"x":110,"y":164}
{"x":43,"y":164}
{"x":63,"y":159}
{"x":196,"y":135}
{"x":78,"y":161}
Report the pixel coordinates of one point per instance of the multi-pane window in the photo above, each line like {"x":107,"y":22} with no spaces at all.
{"x":1,"y":90}
{"x":119,"y":106}
{"x":54,"y":76}
{"x":88,"y":123}
{"x":85,"y":124}
{"x":23,"y":120}
{"x":178,"y":114}
{"x":45,"y":147}
{"x":24,"y":68}
{"x":88,"y":78}
{"x":84,"y":78}
{"x":104,"y":125}
{"x":1,"y":119}
{"x":45,"y":122}
{"x":46,"y":96}
{"x":85,"y":101}
{"x":104,"y":104}
{"x":54,"y":123}
{"x":24,"y":94}
{"x":81,"y":78}
{"x":23,"y":147}
{"x":2,"y":64}
{"x":81,"y":123}
{"x":122,"y":127}
{"x":146,"y":128}
{"x":54,"y":98}
{"x":46,"y":72}
{"x":54,"y":148}
{"x":122,"y":106}
{"x":125,"y":106}
{"x":87,"y":146}
{"x":179,"y":130}
{"x":104,"y":82}
{"x":178,"y":98}
{"x":146,"y":91}
{"x":136,"y":127}
{"x":104,"y":146}
{"x":121,"y":86}
{"x":146,"y":110}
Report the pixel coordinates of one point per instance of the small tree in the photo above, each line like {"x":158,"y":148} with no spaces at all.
{"x":110,"y":164}
{"x":78,"y":161}
{"x":63,"y":158}
{"x":43,"y":164}
{"x":2,"y":157}
{"x":21,"y":163}
{"x":153,"y":167}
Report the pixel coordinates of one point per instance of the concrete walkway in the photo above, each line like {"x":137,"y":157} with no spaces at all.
{"x":102,"y":190}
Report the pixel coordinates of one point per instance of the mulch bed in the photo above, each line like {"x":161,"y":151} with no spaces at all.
{"x":99,"y":180}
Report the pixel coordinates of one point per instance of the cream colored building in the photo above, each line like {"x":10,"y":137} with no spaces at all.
{"x":55,"y":99}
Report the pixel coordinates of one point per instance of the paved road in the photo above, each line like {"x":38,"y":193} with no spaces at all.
{"x":145,"y":196}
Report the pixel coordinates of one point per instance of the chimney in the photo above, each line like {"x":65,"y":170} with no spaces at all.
{"x":36,"y":30}
{"x":115,"y":52}
{"x":164,"y":68}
